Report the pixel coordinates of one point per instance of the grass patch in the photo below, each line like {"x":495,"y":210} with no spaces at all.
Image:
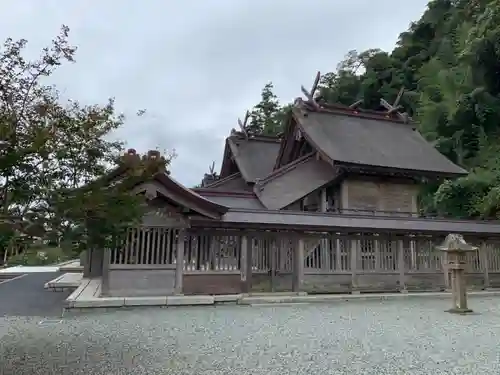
{"x":39,"y":256}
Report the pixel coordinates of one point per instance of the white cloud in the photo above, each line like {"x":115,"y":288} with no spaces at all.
{"x":196,"y":66}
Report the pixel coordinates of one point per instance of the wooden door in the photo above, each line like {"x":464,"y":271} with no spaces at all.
{"x":272,"y":264}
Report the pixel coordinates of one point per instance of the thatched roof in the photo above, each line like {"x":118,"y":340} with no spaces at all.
{"x":371,"y":140}
{"x":253,"y":156}
{"x":294,"y":181}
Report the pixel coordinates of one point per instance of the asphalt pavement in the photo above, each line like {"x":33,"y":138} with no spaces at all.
{"x":25,"y":296}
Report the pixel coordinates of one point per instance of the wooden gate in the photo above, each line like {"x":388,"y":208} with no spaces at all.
{"x":272,"y":263}
{"x":212,"y":263}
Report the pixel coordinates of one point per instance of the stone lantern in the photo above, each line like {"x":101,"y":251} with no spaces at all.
{"x":456,"y":249}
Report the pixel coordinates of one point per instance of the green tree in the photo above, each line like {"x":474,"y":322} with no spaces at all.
{"x":267,"y":116}
{"x":93,"y":215}
{"x":448,"y":62}
{"x":51,"y":148}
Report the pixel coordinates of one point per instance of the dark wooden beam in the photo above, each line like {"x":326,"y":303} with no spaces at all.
{"x":389,"y":171}
{"x":243,"y":124}
{"x":395,"y":107}
{"x":310,"y":94}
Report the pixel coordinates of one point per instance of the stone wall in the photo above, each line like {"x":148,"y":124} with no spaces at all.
{"x":262,"y":282}
{"x":378,"y":282}
{"x":326,"y":283}
{"x":214,"y":284}
{"x":141,"y":282}
{"x":425,"y":282}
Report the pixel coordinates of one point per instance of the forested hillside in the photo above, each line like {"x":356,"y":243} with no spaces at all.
{"x":449,"y":65}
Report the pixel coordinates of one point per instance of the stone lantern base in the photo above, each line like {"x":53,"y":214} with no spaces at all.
{"x":458,"y":310}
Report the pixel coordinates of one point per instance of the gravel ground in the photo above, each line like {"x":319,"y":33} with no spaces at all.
{"x":363,"y":337}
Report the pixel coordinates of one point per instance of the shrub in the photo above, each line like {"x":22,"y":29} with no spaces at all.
{"x":38,"y":256}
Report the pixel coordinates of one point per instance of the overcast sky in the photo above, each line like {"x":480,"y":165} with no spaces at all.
{"x":196,"y":66}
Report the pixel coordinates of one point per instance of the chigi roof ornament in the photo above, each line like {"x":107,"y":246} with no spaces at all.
{"x":211,"y":168}
{"x":310,"y":94}
{"x":243,"y":124}
{"x":395,"y":107}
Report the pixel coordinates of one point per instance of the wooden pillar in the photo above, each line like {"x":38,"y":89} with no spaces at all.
{"x":213,"y":249}
{"x":413,"y":252}
{"x":272,"y":254}
{"x":338,"y":255}
{"x":354,"y":243}
{"x":483,"y":256}
{"x":401,"y":266}
{"x":298,"y":266}
{"x":344,"y":196}
{"x":376,"y":249}
{"x":243,"y":260}
{"x":179,"y":261}
{"x":105,"y":272}
{"x":247,"y":286}
{"x":326,"y":245}
{"x":323,"y":200}
{"x":414,"y":203}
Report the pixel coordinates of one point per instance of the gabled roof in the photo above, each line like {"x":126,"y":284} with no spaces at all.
{"x":232,"y":199}
{"x":254,"y":157}
{"x":353,"y":138}
{"x":294,"y":181}
{"x":165,"y":186}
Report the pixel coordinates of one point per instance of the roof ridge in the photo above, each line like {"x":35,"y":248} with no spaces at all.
{"x":258,"y":138}
{"x":233,"y":193}
{"x":281,"y":171}
{"x":340,"y":109}
{"x":222,"y":180}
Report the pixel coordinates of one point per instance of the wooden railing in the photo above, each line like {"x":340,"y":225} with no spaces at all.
{"x":146,"y":246}
{"x":324,"y":253}
{"x":212,"y":252}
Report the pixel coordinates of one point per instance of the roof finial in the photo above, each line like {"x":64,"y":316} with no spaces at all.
{"x":310,"y":94}
{"x":243,"y":125}
{"x":395,"y":107}
{"x":211,"y":168}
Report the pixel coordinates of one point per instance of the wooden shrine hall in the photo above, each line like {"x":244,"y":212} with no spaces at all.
{"x":329,"y":207}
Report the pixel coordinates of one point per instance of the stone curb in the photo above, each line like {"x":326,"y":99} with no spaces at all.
{"x":62,"y":264}
{"x":64,"y":281}
{"x":264,"y":300}
{"x":87,"y":304}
